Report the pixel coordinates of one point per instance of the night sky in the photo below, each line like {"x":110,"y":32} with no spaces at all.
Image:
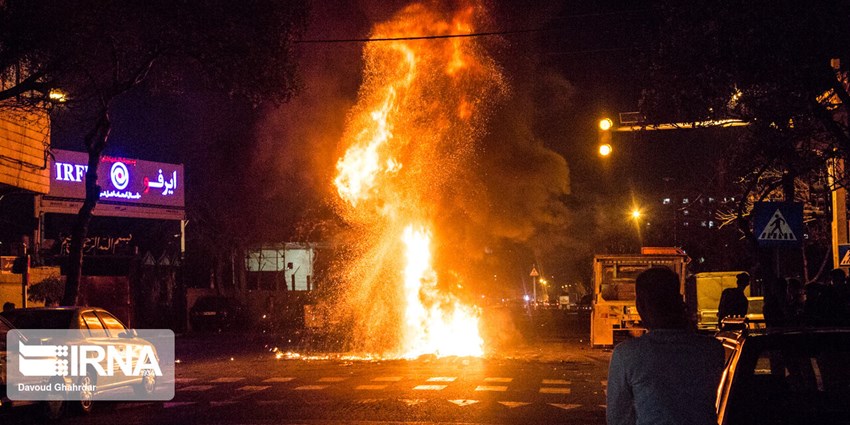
{"x":577,"y":63}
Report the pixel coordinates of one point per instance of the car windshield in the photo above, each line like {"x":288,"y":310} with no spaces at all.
{"x":803,"y":378}
{"x":40,"y":319}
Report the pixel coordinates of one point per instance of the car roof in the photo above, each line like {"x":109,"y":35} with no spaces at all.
{"x":778,"y":333}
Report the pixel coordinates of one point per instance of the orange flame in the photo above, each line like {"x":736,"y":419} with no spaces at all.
{"x":420,"y":99}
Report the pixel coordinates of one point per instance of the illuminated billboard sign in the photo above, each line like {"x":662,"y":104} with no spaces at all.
{"x":128,"y":187}
{"x":121,"y":180}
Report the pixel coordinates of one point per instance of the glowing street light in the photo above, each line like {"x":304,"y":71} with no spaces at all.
{"x":605,"y":124}
{"x":605,"y":149}
{"x":636,"y":214}
{"x":57,"y":96}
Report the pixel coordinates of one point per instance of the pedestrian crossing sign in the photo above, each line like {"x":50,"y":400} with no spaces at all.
{"x":778,"y":224}
{"x":843,"y":255}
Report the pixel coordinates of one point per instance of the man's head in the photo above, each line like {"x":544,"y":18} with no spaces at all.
{"x":743,"y":279}
{"x":658,"y":300}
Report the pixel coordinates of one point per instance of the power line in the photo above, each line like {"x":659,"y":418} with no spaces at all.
{"x":467,"y":35}
{"x":423,"y":37}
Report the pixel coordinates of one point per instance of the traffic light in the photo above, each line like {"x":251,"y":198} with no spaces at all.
{"x":605,"y":126}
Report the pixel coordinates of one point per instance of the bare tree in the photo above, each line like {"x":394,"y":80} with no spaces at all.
{"x":97,"y":51}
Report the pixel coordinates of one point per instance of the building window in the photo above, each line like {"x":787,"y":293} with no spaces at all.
{"x":666,"y":201}
{"x":684,"y":200}
{"x":711,"y":224}
{"x":685,"y":212}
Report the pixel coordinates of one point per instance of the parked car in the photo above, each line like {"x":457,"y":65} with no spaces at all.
{"x":785,"y":376}
{"x":97,"y":326}
{"x":214,"y":313}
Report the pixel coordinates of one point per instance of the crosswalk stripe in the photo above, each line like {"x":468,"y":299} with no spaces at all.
{"x":227,"y":380}
{"x":565,"y":406}
{"x":132,"y":405}
{"x":513,"y":404}
{"x":311,"y":387}
{"x":196,"y":388}
{"x":553,"y":390}
{"x":170,"y":404}
{"x":253,"y":388}
{"x":498,"y":379}
{"x":271,"y":402}
{"x":556,"y":382}
{"x":490,"y":388}
{"x":442,"y":379}
{"x":184,"y":380}
{"x":332,"y":379}
{"x":387,"y":379}
{"x":279,"y":380}
{"x":413,"y":402}
{"x":370,"y":387}
{"x":463,"y":402}
{"x":430,"y":387}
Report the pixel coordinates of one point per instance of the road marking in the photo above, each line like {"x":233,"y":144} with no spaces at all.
{"x":122,"y":406}
{"x":413,"y":402}
{"x":184,"y":380}
{"x":369,"y":400}
{"x":332,"y":379}
{"x":430,"y":387}
{"x":604,"y":406}
{"x":311,"y":387}
{"x":278,"y":380}
{"x":463,"y":402}
{"x":550,"y":390}
{"x":565,"y":406}
{"x":370,"y":387}
{"x":490,"y":388}
{"x":270,"y":402}
{"x":196,"y":388}
{"x":556,"y":382}
{"x":387,"y":379}
{"x":171,"y":404}
{"x":226,"y":380}
{"x":604,"y":383}
{"x":498,"y":379}
{"x":442,"y":379}
{"x":253,"y":388}
{"x":223,"y":403}
{"x":513,"y":404}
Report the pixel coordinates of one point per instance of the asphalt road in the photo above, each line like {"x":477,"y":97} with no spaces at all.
{"x":226,"y":379}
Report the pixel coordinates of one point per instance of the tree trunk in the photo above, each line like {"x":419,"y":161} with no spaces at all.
{"x":95,"y":142}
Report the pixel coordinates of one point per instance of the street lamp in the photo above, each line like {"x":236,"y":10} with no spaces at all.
{"x":636,"y":214}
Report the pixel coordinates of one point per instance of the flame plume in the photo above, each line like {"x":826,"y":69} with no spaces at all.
{"x":419,"y":112}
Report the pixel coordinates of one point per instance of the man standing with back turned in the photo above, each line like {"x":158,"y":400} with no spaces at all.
{"x":733,"y":301}
{"x":669,"y":375}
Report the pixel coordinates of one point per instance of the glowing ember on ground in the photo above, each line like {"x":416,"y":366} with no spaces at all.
{"x":411,"y":133}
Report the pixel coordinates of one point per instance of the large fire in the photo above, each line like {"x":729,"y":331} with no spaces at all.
{"x":419,"y":111}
